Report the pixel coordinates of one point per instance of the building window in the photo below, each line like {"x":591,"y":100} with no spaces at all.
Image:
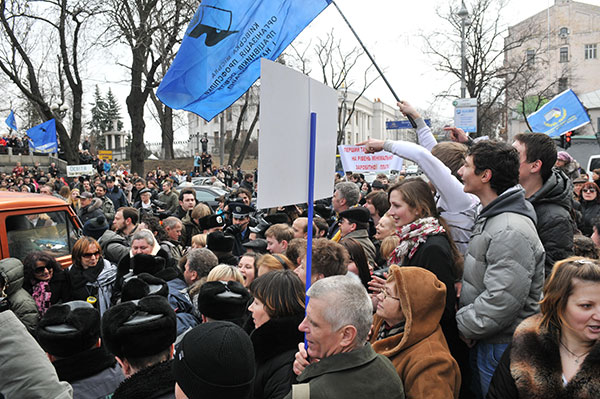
{"x":228,"y":114}
{"x":591,"y":51}
{"x":564,"y":54}
{"x":530,"y":57}
{"x":563,"y":84}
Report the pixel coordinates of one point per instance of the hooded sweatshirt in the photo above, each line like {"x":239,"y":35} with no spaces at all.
{"x":420,"y":353}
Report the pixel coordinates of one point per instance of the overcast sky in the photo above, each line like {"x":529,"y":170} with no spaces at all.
{"x":391,"y":30}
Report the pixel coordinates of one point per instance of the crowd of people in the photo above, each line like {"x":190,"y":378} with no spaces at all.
{"x":481,"y":280}
{"x":19,"y":145}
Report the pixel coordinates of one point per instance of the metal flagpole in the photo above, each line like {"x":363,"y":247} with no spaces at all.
{"x":412,"y":121}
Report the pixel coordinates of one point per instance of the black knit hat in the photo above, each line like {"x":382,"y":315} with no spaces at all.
{"x":139,"y":328}
{"x":69,"y":328}
{"x":217,"y":241}
{"x":357,"y":214}
{"x":215,"y":360}
{"x":142,"y":263}
{"x":95,"y":227}
{"x":211,"y":221}
{"x":220,"y":300}
{"x":143,"y":285}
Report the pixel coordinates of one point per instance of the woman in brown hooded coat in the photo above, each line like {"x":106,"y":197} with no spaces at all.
{"x":406,"y":329}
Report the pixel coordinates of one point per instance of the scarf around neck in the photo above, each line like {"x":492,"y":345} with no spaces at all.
{"x":412,"y":235}
{"x":41,"y":295}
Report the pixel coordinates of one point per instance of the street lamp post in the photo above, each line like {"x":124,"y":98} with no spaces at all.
{"x":464,"y":22}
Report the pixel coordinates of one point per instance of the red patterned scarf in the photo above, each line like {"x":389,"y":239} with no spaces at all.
{"x":412,"y":235}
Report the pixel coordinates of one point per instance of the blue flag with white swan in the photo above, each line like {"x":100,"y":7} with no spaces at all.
{"x":42,"y":138}
{"x":564,"y":113}
{"x":219,"y":57}
{"x":11,"y":122}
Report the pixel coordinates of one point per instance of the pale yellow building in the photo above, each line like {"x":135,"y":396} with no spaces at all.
{"x":562,"y":50}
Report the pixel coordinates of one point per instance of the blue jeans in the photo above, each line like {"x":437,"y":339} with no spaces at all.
{"x":488,"y":357}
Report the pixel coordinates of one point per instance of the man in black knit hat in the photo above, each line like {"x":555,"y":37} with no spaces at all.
{"x":214,"y":360}
{"x":141,"y":334}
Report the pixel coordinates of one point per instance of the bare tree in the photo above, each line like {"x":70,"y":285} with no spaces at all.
{"x":139,"y":24}
{"x":487,"y":77}
{"x":337,"y":68}
{"x":27,"y":66}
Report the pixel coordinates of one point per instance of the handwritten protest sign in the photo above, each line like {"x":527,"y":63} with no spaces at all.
{"x":354,"y":159}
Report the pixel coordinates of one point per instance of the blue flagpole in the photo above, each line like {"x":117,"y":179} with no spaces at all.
{"x":311,"y":198}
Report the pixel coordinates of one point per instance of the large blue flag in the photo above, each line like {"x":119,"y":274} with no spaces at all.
{"x":11,"y":122}
{"x":564,"y":113}
{"x":219,"y":58}
{"x":42,"y":138}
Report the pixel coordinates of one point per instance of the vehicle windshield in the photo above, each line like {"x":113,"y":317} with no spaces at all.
{"x":51,"y":232}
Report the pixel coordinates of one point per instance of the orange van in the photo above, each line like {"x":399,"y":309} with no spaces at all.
{"x":37,"y":222}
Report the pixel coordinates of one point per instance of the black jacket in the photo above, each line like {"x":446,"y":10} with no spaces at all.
{"x":156,"y":381}
{"x":590,"y":211}
{"x":555,"y":227}
{"x":60,"y":287}
{"x":275,"y":344}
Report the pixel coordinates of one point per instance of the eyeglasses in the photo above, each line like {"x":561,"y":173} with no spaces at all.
{"x":97,"y":253}
{"x":589,"y":190}
{"x":387,"y":294}
{"x":39,"y":270}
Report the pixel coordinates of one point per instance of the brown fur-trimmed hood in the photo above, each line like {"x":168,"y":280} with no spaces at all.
{"x":536,"y":367}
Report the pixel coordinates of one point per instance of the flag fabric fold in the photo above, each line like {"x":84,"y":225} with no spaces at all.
{"x":219,"y":57}
{"x":564,"y":113}
{"x":11,"y":122}
{"x":42,"y":138}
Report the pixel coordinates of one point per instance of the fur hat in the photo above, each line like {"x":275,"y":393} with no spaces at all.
{"x":357,"y":214}
{"x":258,"y":246}
{"x":217,"y":241}
{"x":139,"y":328}
{"x":278,"y":218}
{"x":215,"y":360}
{"x":143,"y":285}
{"x":142,"y":263}
{"x":211,"y":221}
{"x":69,"y":328}
{"x":95,"y":227}
{"x":220,"y":300}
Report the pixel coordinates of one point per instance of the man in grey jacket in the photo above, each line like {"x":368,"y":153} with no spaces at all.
{"x":504,"y":263}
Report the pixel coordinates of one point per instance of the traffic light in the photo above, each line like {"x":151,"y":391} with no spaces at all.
{"x":568,"y":139}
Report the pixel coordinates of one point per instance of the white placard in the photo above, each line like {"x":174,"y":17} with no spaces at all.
{"x":466,"y":118}
{"x":79,"y":170}
{"x":354,"y":159}
{"x":287,"y":98}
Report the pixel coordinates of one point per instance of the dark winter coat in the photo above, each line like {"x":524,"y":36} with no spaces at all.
{"x":117,"y":196}
{"x":93,"y":374}
{"x":154,"y":382}
{"x":114,"y":246}
{"x":91,"y":211}
{"x":59,"y":285}
{"x":531,"y":368}
{"x":275,"y":345}
{"x":552,"y":204}
{"x":590,"y":211}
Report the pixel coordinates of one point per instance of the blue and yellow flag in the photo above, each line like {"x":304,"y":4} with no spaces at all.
{"x":219,"y":58}
{"x":42,"y":138}
{"x":11,"y":121}
{"x":564,"y":113}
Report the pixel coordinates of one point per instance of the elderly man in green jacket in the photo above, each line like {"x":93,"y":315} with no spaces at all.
{"x":338,"y":362}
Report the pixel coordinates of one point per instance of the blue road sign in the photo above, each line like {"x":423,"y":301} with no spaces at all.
{"x":405,"y":124}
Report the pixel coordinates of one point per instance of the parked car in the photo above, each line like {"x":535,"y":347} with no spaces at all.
{"x":37,"y":222}
{"x":206,"y":194}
